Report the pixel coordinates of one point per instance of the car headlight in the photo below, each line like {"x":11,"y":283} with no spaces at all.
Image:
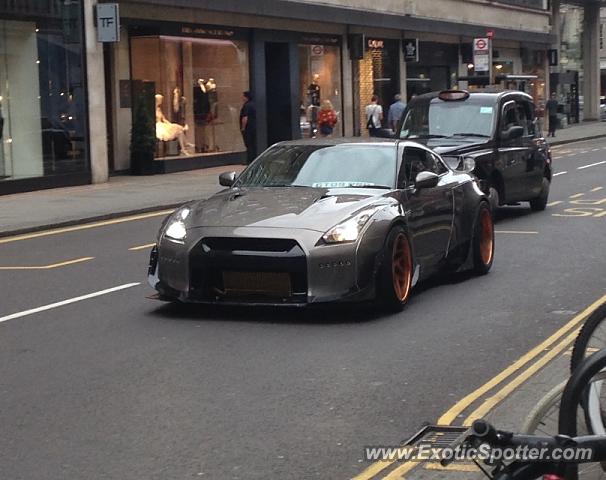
{"x":175,"y":229}
{"x":349,"y":230}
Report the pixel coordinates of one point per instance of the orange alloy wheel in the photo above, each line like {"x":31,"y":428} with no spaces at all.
{"x":486,"y":236}
{"x":401,"y":267}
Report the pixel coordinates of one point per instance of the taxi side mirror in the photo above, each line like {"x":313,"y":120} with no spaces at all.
{"x":227,"y":179}
{"x":512,"y":133}
{"x":426,"y":180}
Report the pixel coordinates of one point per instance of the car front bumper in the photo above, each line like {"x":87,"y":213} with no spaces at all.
{"x":264,"y":266}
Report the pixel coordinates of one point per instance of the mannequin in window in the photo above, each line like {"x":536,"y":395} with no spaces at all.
{"x":167,"y":131}
{"x":213,"y":98}
{"x":201,"y":113}
{"x":314,"y":91}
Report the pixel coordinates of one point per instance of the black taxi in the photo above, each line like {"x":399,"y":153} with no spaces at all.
{"x":494,"y":134}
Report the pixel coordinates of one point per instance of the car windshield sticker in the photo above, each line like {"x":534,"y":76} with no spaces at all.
{"x":340,"y":184}
{"x":485,"y":109}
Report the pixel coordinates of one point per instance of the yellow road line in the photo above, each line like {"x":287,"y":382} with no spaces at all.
{"x":577,"y":195}
{"x":465,"y":402}
{"x":553,"y":204}
{"x":451,"y":415}
{"x":596,"y":189}
{"x":48,"y":267}
{"x":523,"y":232}
{"x":453,"y":467}
{"x":142,"y":247}
{"x":502,"y":394}
{"x":85,"y":226}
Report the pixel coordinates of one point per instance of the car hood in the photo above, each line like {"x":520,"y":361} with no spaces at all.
{"x":450,"y":146}
{"x":284,"y":207}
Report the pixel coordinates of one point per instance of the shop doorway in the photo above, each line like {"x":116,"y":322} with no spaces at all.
{"x":278,"y":92}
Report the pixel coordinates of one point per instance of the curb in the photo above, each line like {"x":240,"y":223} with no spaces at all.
{"x":574,"y":140}
{"x":85,"y":220}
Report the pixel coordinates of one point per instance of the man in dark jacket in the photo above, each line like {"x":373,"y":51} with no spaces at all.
{"x":552,"y":110}
{"x":248,"y":126}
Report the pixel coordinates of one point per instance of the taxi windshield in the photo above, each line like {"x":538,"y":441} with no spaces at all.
{"x":434,"y":118}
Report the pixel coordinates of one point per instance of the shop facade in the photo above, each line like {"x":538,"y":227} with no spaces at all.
{"x":43,"y":102}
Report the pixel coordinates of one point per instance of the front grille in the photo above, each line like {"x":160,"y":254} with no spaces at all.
{"x":248,"y":269}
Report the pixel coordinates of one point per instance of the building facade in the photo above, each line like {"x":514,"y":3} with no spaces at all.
{"x":177,"y":74}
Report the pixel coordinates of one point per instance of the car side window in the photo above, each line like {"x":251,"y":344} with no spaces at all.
{"x":417,"y":160}
{"x":509,"y":118}
{"x":522,"y":116}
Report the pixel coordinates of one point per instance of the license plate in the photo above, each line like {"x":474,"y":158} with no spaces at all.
{"x":257,"y":283}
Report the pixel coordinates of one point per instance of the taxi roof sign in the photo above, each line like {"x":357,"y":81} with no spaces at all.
{"x":453,"y":95}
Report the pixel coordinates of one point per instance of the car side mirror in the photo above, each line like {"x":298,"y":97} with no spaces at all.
{"x":227,"y":179}
{"x":426,"y":180}
{"x":512,"y":133}
{"x":385,"y":133}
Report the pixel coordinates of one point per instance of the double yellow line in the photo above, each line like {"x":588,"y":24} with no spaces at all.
{"x":545,"y":352}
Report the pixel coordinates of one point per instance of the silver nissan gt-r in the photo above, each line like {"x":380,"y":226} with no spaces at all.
{"x":314,"y":221}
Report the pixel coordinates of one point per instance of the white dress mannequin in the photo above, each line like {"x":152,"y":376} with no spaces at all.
{"x":167,"y":131}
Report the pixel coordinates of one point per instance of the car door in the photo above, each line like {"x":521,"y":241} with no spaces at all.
{"x":511,"y":154}
{"x":430,"y":210}
{"x":535,"y":157}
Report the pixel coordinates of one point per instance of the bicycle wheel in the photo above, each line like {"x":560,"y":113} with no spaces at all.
{"x":591,"y":337}
{"x":543,"y":418}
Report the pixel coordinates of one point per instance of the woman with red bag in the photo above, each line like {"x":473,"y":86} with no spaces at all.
{"x":327,"y":118}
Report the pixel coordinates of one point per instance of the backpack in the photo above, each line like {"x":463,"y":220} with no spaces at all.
{"x":370,"y":124}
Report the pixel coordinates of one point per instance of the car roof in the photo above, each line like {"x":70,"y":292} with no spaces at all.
{"x":488,"y":96}
{"x":354,"y":141}
{"x":328,"y":141}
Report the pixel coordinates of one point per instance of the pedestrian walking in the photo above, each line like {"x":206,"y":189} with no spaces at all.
{"x":395,"y":112}
{"x":374,"y":116}
{"x":327,"y":118}
{"x":552,"y":111}
{"x":248,"y":126}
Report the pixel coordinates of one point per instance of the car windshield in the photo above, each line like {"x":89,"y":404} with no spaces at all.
{"x":323,"y":166}
{"x":434,"y":118}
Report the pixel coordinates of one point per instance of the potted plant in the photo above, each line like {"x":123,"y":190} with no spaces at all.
{"x":143,"y":133}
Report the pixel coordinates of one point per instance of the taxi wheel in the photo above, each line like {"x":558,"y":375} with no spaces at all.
{"x":395,"y":278}
{"x":483,"y":241}
{"x":540,"y":203}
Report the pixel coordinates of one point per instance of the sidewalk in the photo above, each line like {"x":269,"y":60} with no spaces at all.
{"x":577,"y":132}
{"x":122,"y":195}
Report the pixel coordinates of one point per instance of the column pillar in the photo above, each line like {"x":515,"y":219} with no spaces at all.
{"x":591,"y":61}
{"x":347,"y":114}
{"x":96,"y":98}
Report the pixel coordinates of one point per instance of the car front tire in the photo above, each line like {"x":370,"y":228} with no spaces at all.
{"x":395,"y":277}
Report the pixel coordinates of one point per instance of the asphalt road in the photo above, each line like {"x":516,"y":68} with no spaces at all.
{"x":118,"y":386}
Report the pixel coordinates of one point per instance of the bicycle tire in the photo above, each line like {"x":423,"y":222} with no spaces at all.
{"x":585,"y":334}
{"x":542,"y":409}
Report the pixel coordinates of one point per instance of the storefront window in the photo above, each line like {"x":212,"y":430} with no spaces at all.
{"x":42,"y":102}
{"x":198,"y":84}
{"x":378,"y":75}
{"x":320,"y":76}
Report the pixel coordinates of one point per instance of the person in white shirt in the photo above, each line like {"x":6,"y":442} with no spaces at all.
{"x":374,"y":116}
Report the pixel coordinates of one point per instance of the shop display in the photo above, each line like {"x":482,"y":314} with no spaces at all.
{"x":320,"y":73}
{"x":214,"y":72}
{"x":167,"y":131}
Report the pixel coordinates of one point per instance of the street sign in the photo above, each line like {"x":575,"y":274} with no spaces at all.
{"x":317,"y":50}
{"x":481,"y":54}
{"x":411,"y":49}
{"x":108,"y":22}
{"x":552,"y":54}
{"x":490,"y":34}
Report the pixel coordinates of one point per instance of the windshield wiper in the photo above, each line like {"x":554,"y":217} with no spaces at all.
{"x":470,"y":135}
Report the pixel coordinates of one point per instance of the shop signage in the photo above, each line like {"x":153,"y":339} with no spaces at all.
{"x":207,"y":32}
{"x":317,"y":50}
{"x":481,"y":54}
{"x":320,"y":40}
{"x":108,"y":22}
{"x":552,"y":54}
{"x":374,"y":44}
{"x":411,"y":49}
